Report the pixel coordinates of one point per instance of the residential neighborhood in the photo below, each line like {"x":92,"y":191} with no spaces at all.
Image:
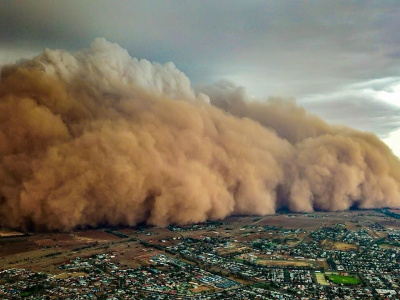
{"x":235,"y":259}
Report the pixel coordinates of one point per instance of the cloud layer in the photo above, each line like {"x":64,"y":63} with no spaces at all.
{"x":97,"y":137}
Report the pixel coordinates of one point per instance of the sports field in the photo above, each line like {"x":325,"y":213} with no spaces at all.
{"x":338,"y":279}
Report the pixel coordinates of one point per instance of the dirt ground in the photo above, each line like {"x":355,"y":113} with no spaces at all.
{"x":331,"y":245}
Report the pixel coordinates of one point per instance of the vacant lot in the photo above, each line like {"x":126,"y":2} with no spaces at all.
{"x":331,"y":245}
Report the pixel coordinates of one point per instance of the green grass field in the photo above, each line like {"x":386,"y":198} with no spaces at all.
{"x":343,"y":279}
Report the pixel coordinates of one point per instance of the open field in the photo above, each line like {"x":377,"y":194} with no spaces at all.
{"x":331,"y":245}
{"x":9,"y":233}
{"x":321,"y":279}
{"x":284,"y":263}
{"x":95,"y":235}
{"x":292,"y":221}
{"x":344,"y":246}
{"x":201,"y":288}
{"x":70,"y":274}
{"x":388,"y":246}
{"x":311,"y":221}
{"x":12,"y":246}
{"x":263,"y":261}
{"x":390,"y":223}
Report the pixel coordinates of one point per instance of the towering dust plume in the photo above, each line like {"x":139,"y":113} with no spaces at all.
{"x":97,"y":137}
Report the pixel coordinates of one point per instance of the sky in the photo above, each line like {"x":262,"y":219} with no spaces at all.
{"x":338,"y":59}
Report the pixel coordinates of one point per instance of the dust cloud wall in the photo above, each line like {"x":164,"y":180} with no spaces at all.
{"x":98,"y":138}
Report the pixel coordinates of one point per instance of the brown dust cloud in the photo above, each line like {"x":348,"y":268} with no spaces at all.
{"x":97,"y":137}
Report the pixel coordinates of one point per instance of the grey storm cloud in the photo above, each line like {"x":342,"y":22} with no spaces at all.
{"x":312,"y":45}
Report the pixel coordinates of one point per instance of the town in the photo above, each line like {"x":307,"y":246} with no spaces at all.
{"x":347,"y":255}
